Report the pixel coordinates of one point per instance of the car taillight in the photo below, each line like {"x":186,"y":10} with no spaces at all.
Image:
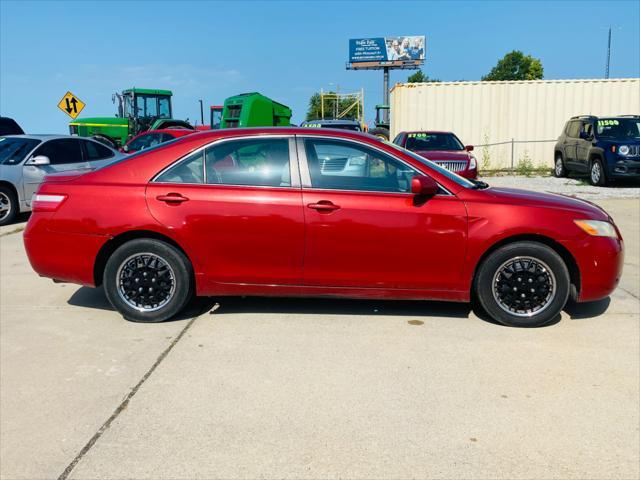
{"x":44,"y":202}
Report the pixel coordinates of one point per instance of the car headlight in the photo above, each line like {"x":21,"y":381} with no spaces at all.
{"x":473,"y":163}
{"x":597,"y":228}
{"x":623,"y":150}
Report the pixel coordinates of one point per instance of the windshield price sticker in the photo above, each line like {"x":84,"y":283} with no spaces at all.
{"x":606,"y":123}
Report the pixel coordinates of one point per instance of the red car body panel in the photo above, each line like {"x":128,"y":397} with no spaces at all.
{"x":244,"y":240}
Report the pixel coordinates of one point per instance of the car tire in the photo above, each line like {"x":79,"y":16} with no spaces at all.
{"x":559,"y":169}
{"x":505,"y":283}
{"x":8,"y":205}
{"x":380,"y":132}
{"x":597,"y":173}
{"x":148,"y":280}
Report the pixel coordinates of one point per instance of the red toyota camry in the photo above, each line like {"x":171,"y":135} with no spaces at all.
{"x":306,"y":212}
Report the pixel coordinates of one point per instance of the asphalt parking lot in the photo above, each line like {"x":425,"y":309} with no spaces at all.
{"x":266,"y":388}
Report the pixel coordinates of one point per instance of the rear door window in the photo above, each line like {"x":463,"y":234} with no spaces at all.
{"x":574,"y":129}
{"x":95,"y":151}
{"x":258,"y":162}
{"x":61,"y":151}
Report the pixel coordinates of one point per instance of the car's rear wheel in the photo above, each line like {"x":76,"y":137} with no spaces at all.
{"x":8,"y":205}
{"x":597,"y":175}
{"x":148,"y":280}
{"x":523,"y":284}
{"x":559,"y":170}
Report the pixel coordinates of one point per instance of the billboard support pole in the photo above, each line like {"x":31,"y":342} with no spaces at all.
{"x":385,"y":92}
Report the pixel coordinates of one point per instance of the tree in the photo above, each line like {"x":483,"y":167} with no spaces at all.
{"x":314,"y":112}
{"x":516,"y":65}
{"x":420,"y":77}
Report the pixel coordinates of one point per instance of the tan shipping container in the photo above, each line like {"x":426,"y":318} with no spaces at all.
{"x":532,"y":113}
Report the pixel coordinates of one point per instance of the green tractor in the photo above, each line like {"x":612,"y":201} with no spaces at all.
{"x":139,"y":110}
{"x":253,"y":110}
{"x":382,"y":124}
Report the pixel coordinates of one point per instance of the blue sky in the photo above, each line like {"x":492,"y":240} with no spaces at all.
{"x":287,"y":50}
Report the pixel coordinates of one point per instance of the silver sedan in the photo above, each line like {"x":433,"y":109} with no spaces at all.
{"x":26,"y":159}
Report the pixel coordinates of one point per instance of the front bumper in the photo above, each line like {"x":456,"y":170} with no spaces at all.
{"x":600,"y":261}
{"x":624,"y":168}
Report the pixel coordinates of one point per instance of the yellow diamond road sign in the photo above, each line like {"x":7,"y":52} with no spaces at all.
{"x":71,"y":105}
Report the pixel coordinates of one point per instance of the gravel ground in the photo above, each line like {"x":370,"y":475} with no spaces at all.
{"x":567,"y":186}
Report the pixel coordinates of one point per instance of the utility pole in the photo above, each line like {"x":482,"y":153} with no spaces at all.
{"x":606,"y":72}
{"x":385,"y":93}
{"x":201,"y":112}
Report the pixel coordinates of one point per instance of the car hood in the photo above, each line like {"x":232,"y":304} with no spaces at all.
{"x":444,"y":155}
{"x":516,"y":196}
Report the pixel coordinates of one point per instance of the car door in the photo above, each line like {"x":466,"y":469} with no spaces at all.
{"x":64,"y":154}
{"x":237,"y":205}
{"x":365,"y":229}
{"x":583,"y":145}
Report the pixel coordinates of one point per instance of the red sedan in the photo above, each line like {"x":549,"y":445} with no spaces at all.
{"x":151,"y":138}
{"x":442,"y":148}
{"x":315,"y":212}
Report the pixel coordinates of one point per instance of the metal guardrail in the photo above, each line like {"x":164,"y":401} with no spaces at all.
{"x":513,"y":143}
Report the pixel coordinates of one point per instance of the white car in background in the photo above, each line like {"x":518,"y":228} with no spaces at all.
{"x":26,"y":159}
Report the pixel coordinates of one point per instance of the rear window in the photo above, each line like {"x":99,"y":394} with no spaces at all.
{"x":14,"y":149}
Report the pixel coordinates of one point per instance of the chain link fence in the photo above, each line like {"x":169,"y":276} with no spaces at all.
{"x":516,"y":156}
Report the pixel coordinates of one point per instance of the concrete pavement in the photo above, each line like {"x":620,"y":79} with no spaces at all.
{"x":266,"y":388}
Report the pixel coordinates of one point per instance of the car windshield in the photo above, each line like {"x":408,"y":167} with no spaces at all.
{"x":463,"y":182}
{"x":422,"y":141}
{"x":14,"y":149}
{"x":619,"y":128}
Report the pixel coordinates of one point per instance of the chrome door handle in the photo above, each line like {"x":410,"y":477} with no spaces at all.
{"x":172,"y":198}
{"x":324,"y":206}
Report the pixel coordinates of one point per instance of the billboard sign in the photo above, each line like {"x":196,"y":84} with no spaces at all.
{"x":377,"y":52}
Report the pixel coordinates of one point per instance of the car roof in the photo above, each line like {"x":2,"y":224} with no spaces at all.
{"x":168,"y":130}
{"x":43,"y":136}
{"x":427,"y":131}
{"x":333,"y":121}
{"x":239,"y":132}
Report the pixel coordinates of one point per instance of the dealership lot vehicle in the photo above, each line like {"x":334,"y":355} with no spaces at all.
{"x":26,"y":159}
{"x":442,"y":148}
{"x":605,"y":148}
{"x":184,"y":226}
{"x":154,"y":137}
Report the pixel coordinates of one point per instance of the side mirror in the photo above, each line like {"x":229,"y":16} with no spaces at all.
{"x":469,"y":148}
{"x":424,"y":185}
{"x":39,"y":161}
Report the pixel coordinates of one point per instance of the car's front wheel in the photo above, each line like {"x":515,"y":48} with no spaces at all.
{"x":148,"y":280}
{"x":523,"y":284}
{"x":597,"y":174}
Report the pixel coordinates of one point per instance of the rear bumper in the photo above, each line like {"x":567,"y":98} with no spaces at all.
{"x":65,"y":257}
{"x":600,"y":263}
